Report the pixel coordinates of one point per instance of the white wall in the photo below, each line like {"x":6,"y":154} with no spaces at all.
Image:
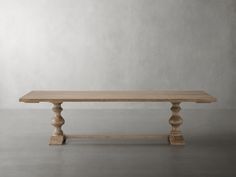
{"x":117,"y":44}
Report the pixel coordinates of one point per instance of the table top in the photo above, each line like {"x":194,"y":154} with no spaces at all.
{"x":117,"y":96}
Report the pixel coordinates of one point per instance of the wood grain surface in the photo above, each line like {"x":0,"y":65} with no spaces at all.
{"x":117,"y":96}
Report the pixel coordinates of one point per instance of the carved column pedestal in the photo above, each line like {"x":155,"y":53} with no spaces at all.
{"x":176,"y":136}
{"x":57,"y":137}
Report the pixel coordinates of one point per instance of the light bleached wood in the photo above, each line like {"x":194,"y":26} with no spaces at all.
{"x":119,"y":136}
{"x":176,"y":136}
{"x":57,"y":137}
{"x":117,"y":96}
{"x":57,"y":140}
{"x":175,"y":97}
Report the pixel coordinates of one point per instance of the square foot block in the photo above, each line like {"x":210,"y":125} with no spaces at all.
{"x":57,"y":140}
{"x":176,"y":140}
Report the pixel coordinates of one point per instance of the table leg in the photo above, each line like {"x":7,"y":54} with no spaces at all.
{"x":57,"y":137}
{"x":176,"y":136}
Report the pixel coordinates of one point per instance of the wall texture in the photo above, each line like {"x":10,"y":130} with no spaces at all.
{"x":117,"y":44}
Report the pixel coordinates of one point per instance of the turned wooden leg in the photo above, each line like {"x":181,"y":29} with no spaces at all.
{"x":176,"y":136}
{"x":57,"y":137}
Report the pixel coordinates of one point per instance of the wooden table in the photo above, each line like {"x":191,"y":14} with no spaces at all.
{"x":175,"y":136}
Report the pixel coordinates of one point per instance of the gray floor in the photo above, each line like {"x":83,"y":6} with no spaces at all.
{"x":210,"y":150}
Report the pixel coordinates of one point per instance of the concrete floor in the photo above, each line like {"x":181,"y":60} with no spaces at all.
{"x":210,"y":148}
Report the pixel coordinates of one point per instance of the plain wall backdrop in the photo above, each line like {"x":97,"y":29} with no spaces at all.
{"x":117,"y":45}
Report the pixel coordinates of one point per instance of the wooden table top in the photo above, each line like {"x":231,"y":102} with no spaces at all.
{"x":117,"y":96}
